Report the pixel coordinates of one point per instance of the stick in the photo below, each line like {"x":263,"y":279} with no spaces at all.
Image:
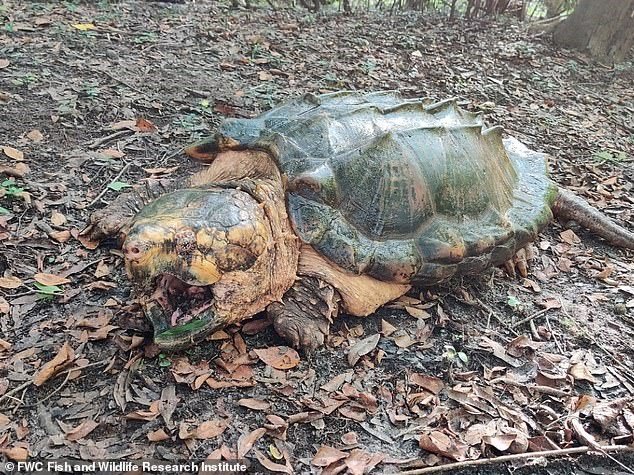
{"x":513,"y":457}
{"x":103,"y":192}
{"x":529,"y":318}
{"x":108,"y":138}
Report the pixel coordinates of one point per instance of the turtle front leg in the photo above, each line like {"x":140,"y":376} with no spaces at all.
{"x":117,"y":216}
{"x":304,"y":316}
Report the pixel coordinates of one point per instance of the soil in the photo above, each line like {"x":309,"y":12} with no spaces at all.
{"x":96,"y":96}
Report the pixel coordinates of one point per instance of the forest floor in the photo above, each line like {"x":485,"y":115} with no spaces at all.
{"x":95,"y":96}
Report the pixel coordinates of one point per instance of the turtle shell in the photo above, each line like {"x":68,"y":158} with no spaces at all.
{"x":401,"y":190}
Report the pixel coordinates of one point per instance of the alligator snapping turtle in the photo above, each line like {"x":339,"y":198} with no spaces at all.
{"x":333,"y":202}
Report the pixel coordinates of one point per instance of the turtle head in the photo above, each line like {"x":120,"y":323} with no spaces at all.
{"x":190,"y":252}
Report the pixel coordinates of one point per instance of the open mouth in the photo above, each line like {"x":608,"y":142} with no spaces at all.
{"x":180,"y":313}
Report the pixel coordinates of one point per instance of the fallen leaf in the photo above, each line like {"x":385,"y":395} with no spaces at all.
{"x":430,"y":383}
{"x":157,"y":435}
{"x":124,"y":124}
{"x":580,"y":371}
{"x":327,"y":455}
{"x":362,"y":347}
{"x":144,"y":125}
{"x":82,"y":430}
{"x":65,"y":356}
{"x":58,"y":219}
{"x":4,"y":305}
{"x":35,"y":136}
{"x":265,"y":76}
{"x":246,"y":441}
{"x":84,"y":26}
{"x":255,"y":404}
{"x":387,"y":328}
{"x":19,"y":454}
{"x":13,"y":153}
{"x":417,"y":312}
{"x":439,"y":443}
{"x":502,"y":442}
{"x":102,"y":270}
{"x":50,"y":279}
{"x":278,"y":357}
{"x":272,"y":466}
{"x":569,"y":237}
{"x":10,"y":282}
{"x":206,"y":430}
{"x":4,"y":63}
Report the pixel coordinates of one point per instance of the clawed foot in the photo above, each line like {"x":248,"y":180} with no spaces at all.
{"x":520,"y":262}
{"x":106,"y":222}
{"x":303,"y":317}
{"x":302,"y":331}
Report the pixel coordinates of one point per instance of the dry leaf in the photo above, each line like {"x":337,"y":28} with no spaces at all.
{"x":430,"y":383}
{"x":569,"y":237}
{"x":255,"y":404}
{"x":4,"y":63}
{"x":206,"y":430}
{"x":58,"y":219}
{"x":362,"y":347}
{"x":144,"y":125}
{"x":65,"y":356}
{"x":10,"y":282}
{"x":265,"y":76}
{"x":35,"y":136}
{"x":82,"y":430}
{"x":580,"y":371}
{"x":84,"y":26}
{"x":502,"y":442}
{"x":246,"y":441}
{"x":13,"y":153}
{"x":417,"y":313}
{"x":278,"y":357}
{"x":112,"y":153}
{"x":272,"y":466}
{"x":4,"y":305}
{"x":387,"y":328}
{"x":124,"y":124}
{"x":327,"y":455}
{"x":19,"y":454}
{"x":102,"y":270}
{"x":50,"y":279}
{"x":440,"y":443}
{"x":157,"y":436}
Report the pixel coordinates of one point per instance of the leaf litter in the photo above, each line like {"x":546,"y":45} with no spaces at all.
{"x":551,"y":371}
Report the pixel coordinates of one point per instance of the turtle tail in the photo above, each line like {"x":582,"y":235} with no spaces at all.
{"x":570,"y":207}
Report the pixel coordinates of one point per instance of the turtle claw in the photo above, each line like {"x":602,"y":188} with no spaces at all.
{"x":105,"y":223}
{"x":302,"y":331}
{"x":520,"y":262}
{"x":303,"y":318}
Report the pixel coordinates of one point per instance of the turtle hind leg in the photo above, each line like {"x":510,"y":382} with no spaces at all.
{"x":519,"y":263}
{"x":304,"y":316}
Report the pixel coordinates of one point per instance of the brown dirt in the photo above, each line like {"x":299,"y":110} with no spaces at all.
{"x":184,"y":68}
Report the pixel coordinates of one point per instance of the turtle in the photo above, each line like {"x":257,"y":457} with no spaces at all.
{"x":333,"y":203}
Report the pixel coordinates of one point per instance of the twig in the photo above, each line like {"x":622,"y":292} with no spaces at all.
{"x":513,"y":457}
{"x":15,"y":390}
{"x":535,"y":387}
{"x":584,"y":437}
{"x":103,"y":192}
{"x":109,"y":138}
{"x":530,"y":318}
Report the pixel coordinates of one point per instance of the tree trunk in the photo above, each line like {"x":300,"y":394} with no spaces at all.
{"x":603,"y":27}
